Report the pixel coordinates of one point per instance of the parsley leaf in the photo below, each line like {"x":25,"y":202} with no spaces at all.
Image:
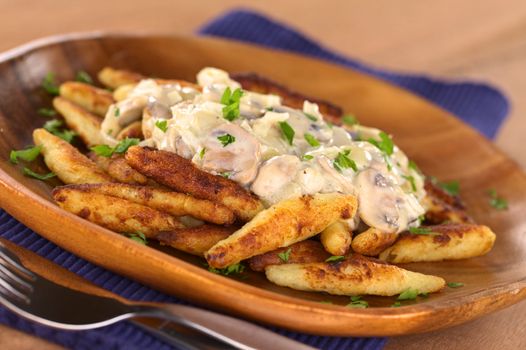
{"x":412,"y":165}
{"x":342,"y":161}
{"x":311,"y":140}
{"x":422,"y":231}
{"x":226,"y":139}
{"x":311,"y":117}
{"x":121,"y":147}
{"x":397,"y":304}
{"x":83,"y":77}
{"x":287,"y":132}
{"x":455,"y":284}
{"x":408,"y":294}
{"x":284,"y":256}
{"x":162,"y":125}
{"x":225,"y":174}
{"x":47,"y":112}
{"x":202,"y":153}
{"x":385,"y":144}
{"x":49,"y":84}
{"x":102,"y":150}
{"x":229,"y":270}
{"x":360,"y":304}
{"x":117,"y":112}
{"x":28,"y":154}
{"x":411,"y":180}
{"x":350,"y":120}
{"x":335,"y":258}
{"x":231,"y":100}
{"x":451,"y":187}
{"x":138,"y":237}
{"x":53,"y":127}
{"x":307,"y":157}
{"x":31,"y":173}
{"x":497,"y":202}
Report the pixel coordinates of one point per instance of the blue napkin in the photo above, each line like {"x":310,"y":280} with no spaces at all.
{"x":480,"y":105}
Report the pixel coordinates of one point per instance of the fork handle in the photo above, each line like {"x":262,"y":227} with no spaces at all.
{"x":235,"y":332}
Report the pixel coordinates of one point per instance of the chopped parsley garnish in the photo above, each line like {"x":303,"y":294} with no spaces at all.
{"x":162,"y":125}
{"x":117,"y":112}
{"x":231,"y":100}
{"x":411,"y":180}
{"x":357,"y":302}
{"x":225,"y":174}
{"x":311,"y":117}
{"x":229,"y":270}
{"x":226,"y":139}
{"x":350,"y":120}
{"x":451,"y":187}
{"x":455,"y":284}
{"x":422,"y":231}
{"x":307,"y":157}
{"x":287,"y":131}
{"x":202,"y":153}
{"x":335,"y":258}
{"x":54,"y":125}
{"x":138,"y":237}
{"x":28,"y":154}
{"x":397,"y":304}
{"x":497,"y":202}
{"x":342,"y":161}
{"x":284,"y":256}
{"x":31,"y":173}
{"x":83,"y":77}
{"x":408,"y":294}
{"x":311,"y":140}
{"x":385,"y":144}
{"x":412,"y":165}
{"x":121,"y":147}
{"x":49,"y":84}
{"x":47,"y":112}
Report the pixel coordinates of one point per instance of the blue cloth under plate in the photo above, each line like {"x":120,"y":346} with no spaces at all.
{"x":477,"y":104}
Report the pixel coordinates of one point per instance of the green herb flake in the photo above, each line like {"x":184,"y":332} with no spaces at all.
{"x":307,"y":157}
{"x":311,"y":140}
{"x":225,"y":174}
{"x":231,"y":100}
{"x":287,"y":131}
{"x":397,"y":304}
{"x":162,"y":125}
{"x":47,"y":112}
{"x":83,"y":77}
{"x":43,"y":177}
{"x":335,"y":258}
{"x":202,"y":153}
{"x":356,"y":297}
{"x":102,"y":150}
{"x":422,"y":231}
{"x":28,"y":154}
{"x":411,"y":180}
{"x":284,"y":256}
{"x":350,"y":120}
{"x":358,"y":304}
{"x":451,"y":187}
{"x":497,"y":202}
{"x":385,"y":144}
{"x":49,"y":84}
{"x":412,"y":165}
{"x":226,"y":139}
{"x":117,"y":112}
{"x":342,"y":161}
{"x":138,"y":237}
{"x":408,"y":294}
{"x":311,"y":117}
{"x":229,"y":270}
{"x":54,"y":125}
{"x":455,"y":284}
{"x":123,"y":146}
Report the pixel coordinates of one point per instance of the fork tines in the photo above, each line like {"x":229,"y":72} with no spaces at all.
{"x":15,"y":279}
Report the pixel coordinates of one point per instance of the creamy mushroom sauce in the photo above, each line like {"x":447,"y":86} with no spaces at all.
{"x":261,"y":158}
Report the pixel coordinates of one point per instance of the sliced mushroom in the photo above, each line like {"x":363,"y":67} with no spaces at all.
{"x":122,"y":114}
{"x":335,"y":181}
{"x":275,"y":174}
{"x":240,"y":158}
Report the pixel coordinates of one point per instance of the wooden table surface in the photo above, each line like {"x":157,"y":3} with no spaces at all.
{"x":483,"y":40}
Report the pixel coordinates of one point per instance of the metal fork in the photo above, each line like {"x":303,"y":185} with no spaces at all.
{"x":38,"y":299}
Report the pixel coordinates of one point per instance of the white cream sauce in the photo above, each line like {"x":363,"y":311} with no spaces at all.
{"x":258,"y":155}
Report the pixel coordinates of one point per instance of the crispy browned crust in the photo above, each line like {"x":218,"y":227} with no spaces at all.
{"x":441,"y":207}
{"x":336,"y":238}
{"x":195,"y":240}
{"x":356,"y":275}
{"x":173,"y":203}
{"x":178,"y":173}
{"x":117,"y":167}
{"x":446,"y":242}
{"x":71,"y":166}
{"x":95,"y":100}
{"x":84,"y":123}
{"x":132,"y":131}
{"x":435,"y":191}
{"x":113,"y":213}
{"x":281,"y":225}
{"x":257,"y":83}
{"x":113,"y":78}
{"x":300,"y":253}
{"x":373,"y":241}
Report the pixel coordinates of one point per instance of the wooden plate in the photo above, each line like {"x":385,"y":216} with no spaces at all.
{"x":438,"y":142}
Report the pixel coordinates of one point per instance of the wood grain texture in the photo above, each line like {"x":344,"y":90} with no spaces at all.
{"x":430,"y":136}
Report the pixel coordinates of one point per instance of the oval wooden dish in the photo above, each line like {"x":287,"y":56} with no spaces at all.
{"x":438,"y":142}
